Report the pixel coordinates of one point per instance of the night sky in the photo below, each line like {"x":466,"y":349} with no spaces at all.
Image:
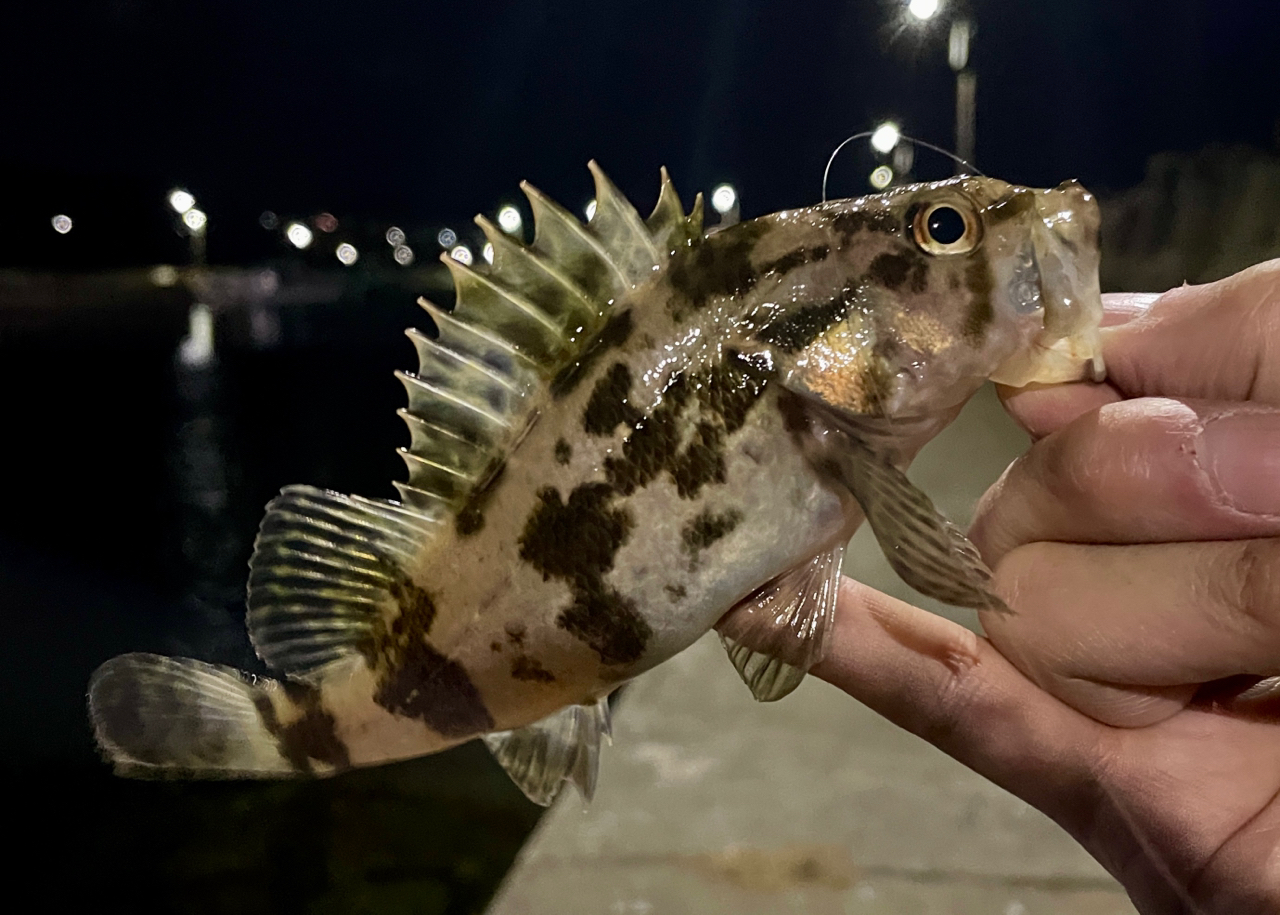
{"x":414,"y":110}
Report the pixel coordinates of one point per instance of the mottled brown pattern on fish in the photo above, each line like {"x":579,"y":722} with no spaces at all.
{"x":798,"y":328}
{"x":470,"y":518}
{"x":529,"y":669}
{"x":312,"y":737}
{"x":717,"y":265}
{"x":848,"y":225}
{"x":576,"y":541}
{"x":416,"y":680}
{"x":706,"y":528}
{"x":563,"y":452}
{"x":615,"y":333}
{"x":980,"y":284}
{"x":609,"y":406}
{"x":797,"y":258}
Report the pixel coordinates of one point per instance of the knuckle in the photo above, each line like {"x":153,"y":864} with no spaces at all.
{"x":1245,"y":580}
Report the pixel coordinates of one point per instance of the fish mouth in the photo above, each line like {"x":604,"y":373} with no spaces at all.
{"x":1064,"y":239}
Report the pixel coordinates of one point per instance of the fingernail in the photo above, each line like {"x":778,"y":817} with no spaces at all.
{"x":1242,"y":455}
{"x":1123,"y":307}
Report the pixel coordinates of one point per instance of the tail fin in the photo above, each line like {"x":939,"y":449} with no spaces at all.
{"x":157,"y":716}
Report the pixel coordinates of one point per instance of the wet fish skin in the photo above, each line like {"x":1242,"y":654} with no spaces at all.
{"x":624,"y":436}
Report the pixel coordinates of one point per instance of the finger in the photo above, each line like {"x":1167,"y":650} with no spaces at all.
{"x":1140,"y":471}
{"x":1213,"y":341}
{"x":1042,"y":409}
{"x":947,"y":685}
{"x":1126,"y":634}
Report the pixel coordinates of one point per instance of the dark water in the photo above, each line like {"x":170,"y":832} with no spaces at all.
{"x":132,"y":491}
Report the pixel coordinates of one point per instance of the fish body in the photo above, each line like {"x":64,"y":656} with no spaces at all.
{"x":624,"y":435}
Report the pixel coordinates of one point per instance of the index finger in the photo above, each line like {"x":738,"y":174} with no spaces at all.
{"x":1216,"y":341}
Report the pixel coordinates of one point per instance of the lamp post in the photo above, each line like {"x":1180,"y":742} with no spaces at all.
{"x":959,"y":41}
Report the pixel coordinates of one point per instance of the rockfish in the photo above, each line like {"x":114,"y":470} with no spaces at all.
{"x":623,"y":435}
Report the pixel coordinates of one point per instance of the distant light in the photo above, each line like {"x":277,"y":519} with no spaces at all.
{"x":881,"y":177}
{"x":326,"y":222}
{"x":347,"y":253}
{"x":403,"y":255}
{"x":395,"y":236}
{"x":904,"y":156}
{"x":195,"y":219}
{"x":510,"y":220}
{"x":724,"y":198}
{"x":299,"y":235}
{"x":61,"y":224}
{"x":591,"y":209}
{"x":196,"y":349}
{"x":886,"y":137}
{"x":164,"y":276}
{"x":487,"y":252}
{"x":958,"y":44}
{"x":181,"y":200}
{"x":447,"y":238}
{"x":461,"y":254}
{"x":269,"y":220}
{"x":923,"y":9}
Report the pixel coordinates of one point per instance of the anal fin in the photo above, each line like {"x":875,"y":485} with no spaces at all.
{"x":777,"y":633}
{"x":559,"y":748}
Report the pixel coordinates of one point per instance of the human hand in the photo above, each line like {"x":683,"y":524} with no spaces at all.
{"x":1138,"y":542}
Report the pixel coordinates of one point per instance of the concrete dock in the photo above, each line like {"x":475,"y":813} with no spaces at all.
{"x":712,"y":803}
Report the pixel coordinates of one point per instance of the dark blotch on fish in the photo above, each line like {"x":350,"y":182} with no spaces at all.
{"x":804,"y":325}
{"x":313,"y":736}
{"x":654,"y":444}
{"x":852,"y":223}
{"x":529,"y":669}
{"x":608,"y":405}
{"x":563,"y":452}
{"x":797,"y":258}
{"x":718,"y":265}
{"x":706,"y":528}
{"x":677,"y":593}
{"x":415,"y":679}
{"x":890,"y":270}
{"x":615,"y":333}
{"x":414,"y":601}
{"x":978,"y":279}
{"x":515,"y":632}
{"x":470,"y":518}
{"x":576,"y":541}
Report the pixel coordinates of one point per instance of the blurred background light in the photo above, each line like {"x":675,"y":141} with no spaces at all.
{"x":487,"y":252}
{"x":195,"y":220}
{"x":591,"y":209}
{"x":403,"y":255}
{"x":299,"y":235}
{"x":461,"y":254}
{"x":269,"y":220}
{"x":164,"y":276}
{"x":886,"y":137}
{"x":181,"y":200}
{"x":447,"y":238}
{"x":326,"y":222}
{"x":881,"y":177}
{"x":395,"y":236}
{"x":509,"y":220}
{"x":723,"y":198}
{"x":347,"y":254}
{"x":923,"y":9}
{"x":61,"y":224}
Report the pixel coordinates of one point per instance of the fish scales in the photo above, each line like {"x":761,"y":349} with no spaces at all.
{"x":627,"y":435}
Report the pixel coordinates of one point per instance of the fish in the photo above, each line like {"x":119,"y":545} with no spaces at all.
{"x":625,"y":434}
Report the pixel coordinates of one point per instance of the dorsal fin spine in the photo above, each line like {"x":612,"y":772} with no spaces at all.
{"x":544,"y":208}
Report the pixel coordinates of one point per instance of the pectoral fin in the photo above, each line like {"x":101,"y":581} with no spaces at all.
{"x":928,"y":551}
{"x":561,"y":747}
{"x":775,"y":635}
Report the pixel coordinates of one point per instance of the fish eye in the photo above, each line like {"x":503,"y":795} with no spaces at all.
{"x":946,"y":228}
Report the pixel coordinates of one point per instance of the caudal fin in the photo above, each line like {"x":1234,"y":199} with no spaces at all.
{"x":157,"y":716}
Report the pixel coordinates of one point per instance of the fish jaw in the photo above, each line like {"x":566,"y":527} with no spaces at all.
{"x":1063,"y":259}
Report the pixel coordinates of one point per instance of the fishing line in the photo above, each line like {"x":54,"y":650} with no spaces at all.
{"x":973,"y":169}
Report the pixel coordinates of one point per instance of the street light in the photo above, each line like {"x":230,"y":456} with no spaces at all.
{"x":923,"y":9}
{"x":886,"y":137}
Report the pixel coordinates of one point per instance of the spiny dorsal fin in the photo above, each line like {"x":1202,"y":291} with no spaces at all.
{"x":516,"y":324}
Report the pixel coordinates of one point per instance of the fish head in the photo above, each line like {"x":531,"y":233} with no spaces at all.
{"x":944,"y":286}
